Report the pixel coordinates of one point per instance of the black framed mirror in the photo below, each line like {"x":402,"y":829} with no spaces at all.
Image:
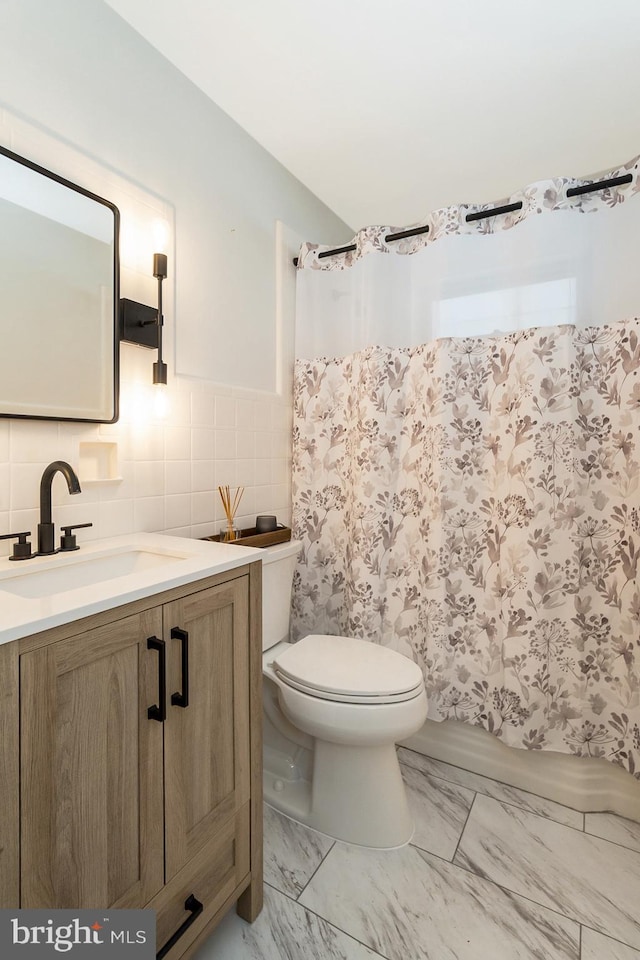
{"x":59,"y":294}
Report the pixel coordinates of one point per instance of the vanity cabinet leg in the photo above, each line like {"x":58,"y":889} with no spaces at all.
{"x":250,"y":902}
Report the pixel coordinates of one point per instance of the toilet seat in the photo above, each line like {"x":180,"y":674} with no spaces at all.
{"x":347,"y":670}
{"x":348,"y":698}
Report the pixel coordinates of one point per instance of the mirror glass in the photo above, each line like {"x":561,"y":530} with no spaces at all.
{"x":58,"y":297}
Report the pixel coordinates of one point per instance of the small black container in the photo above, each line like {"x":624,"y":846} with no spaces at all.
{"x":266,"y":523}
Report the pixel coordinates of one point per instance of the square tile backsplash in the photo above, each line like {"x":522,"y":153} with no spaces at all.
{"x":167,"y":472}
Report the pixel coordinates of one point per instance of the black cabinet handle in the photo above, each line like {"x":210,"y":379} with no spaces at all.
{"x":182,"y":699}
{"x":159,"y":711}
{"x":196,"y":908}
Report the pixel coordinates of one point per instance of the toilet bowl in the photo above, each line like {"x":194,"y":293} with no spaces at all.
{"x":335,"y":707}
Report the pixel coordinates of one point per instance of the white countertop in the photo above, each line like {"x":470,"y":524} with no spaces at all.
{"x":44,"y":592}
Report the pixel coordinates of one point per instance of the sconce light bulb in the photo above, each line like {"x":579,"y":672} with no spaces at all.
{"x":160,"y":234}
{"x":161,"y":401}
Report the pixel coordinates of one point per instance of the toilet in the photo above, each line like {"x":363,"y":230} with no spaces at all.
{"x":334,"y":709}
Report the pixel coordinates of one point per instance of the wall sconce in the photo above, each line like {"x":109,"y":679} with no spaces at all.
{"x":160,"y":273}
{"x":143,"y":325}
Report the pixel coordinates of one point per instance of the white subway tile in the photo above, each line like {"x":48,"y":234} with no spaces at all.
{"x":246,"y":472}
{"x":148,"y":515}
{"x":177,"y":476}
{"x":149,"y":479}
{"x":147,"y":441}
{"x":225,"y":411}
{"x":116,"y":517}
{"x":264,"y":444}
{"x":245,"y":521}
{"x":263,"y":472}
{"x":202,"y":444}
{"x":248,"y":503}
{"x":226,"y":445}
{"x":281,"y":446}
{"x":33,"y":441}
{"x":121,"y":489}
{"x":202,"y":409}
{"x":280,"y":496}
{"x":25,"y":485}
{"x":245,"y":414}
{"x":5,"y":545}
{"x":280,"y":470}
{"x":179,"y":407}
{"x":124,"y":438}
{"x":179,"y":532}
{"x":69,"y":439}
{"x":263,"y":416}
{"x":178,"y":510}
{"x":265,"y":499}
{"x":202,"y":475}
{"x":245,"y":444}
{"x":5,"y":488}
{"x":226,"y":473}
{"x":280,"y":416}
{"x":199,"y":530}
{"x":177,"y":443}
{"x":4,"y":440}
{"x":203,"y":507}
{"x":24,"y":520}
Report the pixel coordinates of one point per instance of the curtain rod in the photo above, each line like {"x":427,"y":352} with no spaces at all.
{"x":390,"y":236}
{"x":600,"y":185}
{"x":484,"y":214}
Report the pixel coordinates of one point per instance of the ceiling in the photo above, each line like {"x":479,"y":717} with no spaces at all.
{"x":387,"y":109}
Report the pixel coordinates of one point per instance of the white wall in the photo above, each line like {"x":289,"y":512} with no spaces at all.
{"x":82,"y":94}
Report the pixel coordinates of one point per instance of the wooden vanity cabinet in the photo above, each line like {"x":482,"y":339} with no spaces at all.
{"x":140,"y":760}
{"x":91,"y":805}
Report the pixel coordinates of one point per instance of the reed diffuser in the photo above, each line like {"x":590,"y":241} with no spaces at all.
{"x":230,"y":509}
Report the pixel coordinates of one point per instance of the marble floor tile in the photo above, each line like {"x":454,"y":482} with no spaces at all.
{"x":440,"y":810}
{"x":292,"y":852}
{"x":409,"y":905}
{"x":597,"y":947}
{"x":616,"y":829}
{"x":583,"y":877}
{"x":493,"y":788}
{"x":283,"y":931}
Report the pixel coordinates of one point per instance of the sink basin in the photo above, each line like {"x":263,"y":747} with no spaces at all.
{"x":84,"y":572}
{"x":49,"y":591}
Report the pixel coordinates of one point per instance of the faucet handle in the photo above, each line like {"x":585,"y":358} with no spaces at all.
{"x":21,"y":549}
{"x":68,"y":539}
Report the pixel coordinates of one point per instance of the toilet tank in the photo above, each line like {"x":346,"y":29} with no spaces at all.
{"x":278,"y":564}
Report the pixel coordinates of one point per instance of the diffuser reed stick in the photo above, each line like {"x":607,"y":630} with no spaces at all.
{"x":230,"y":509}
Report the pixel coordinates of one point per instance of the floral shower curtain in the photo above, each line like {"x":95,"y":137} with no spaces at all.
{"x":474,"y":503}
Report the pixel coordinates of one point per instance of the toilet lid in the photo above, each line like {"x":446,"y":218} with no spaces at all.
{"x":343,"y":667}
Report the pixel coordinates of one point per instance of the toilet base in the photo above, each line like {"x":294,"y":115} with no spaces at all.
{"x":354,"y":794}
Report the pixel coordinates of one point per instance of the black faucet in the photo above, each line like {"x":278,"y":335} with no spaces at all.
{"x":46,"y":529}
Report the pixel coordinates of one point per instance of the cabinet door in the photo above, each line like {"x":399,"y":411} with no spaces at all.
{"x":91,"y":783}
{"x":207,"y":742}
{"x":9,"y":778}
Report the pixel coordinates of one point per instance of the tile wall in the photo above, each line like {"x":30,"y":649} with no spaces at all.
{"x":167,"y":470}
